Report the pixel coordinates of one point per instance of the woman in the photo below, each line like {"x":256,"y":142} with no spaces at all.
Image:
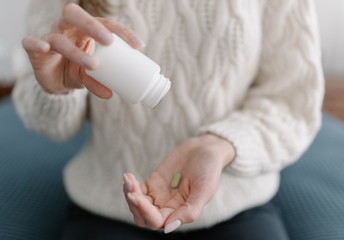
{"x":245,"y":102}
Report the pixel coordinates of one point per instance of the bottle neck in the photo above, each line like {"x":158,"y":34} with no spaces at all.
{"x":157,"y":92}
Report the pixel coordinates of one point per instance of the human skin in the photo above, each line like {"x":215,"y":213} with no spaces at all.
{"x":155,"y":204}
{"x":59,"y":59}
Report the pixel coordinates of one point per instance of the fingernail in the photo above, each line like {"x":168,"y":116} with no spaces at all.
{"x":132,"y":199}
{"x":42,"y":45}
{"x":172,"y":226}
{"x":105,"y":36}
{"x":127,"y":183}
{"x":90,"y":62}
{"x":137,"y":42}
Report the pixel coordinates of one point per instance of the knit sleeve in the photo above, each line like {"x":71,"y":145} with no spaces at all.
{"x":281,"y":113}
{"x":57,"y":116}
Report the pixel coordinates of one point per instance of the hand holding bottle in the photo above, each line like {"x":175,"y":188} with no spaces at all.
{"x":59,"y":58}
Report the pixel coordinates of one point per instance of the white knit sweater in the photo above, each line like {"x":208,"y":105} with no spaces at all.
{"x":248,"y":71}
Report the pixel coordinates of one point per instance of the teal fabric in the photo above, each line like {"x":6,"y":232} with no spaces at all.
{"x":32,"y":197}
{"x":33,"y":201}
{"x":311,"y":195}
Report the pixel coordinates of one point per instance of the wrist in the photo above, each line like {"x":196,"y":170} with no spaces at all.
{"x":224,"y":148}
{"x":56,"y":92}
{"x":52,"y":89}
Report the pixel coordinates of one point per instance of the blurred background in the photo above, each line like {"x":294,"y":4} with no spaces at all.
{"x":331,"y":24}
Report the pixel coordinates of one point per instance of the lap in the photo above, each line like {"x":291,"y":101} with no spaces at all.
{"x":82,"y":225}
{"x":262,"y":222}
{"x":259,"y":223}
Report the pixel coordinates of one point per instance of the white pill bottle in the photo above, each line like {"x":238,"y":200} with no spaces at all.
{"x":130,"y":74}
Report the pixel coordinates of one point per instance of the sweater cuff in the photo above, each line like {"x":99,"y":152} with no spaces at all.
{"x":57,"y":116}
{"x":246,"y":141}
{"x":58,"y":105}
{"x":34,"y":101}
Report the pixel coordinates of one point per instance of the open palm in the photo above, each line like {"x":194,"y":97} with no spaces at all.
{"x":155,"y":204}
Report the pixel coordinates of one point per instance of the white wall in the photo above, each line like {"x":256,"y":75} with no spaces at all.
{"x":331,"y":24}
{"x":12,"y":25}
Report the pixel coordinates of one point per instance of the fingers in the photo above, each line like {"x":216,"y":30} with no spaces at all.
{"x":74,"y":15}
{"x":70,"y":34}
{"x":100,"y":29}
{"x":144,"y":212}
{"x":125,"y":33}
{"x":148,"y":212}
{"x":61,"y":44}
{"x":128,"y":187}
{"x":147,"y":215}
{"x":132,"y":203}
{"x":188,"y":212}
{"x":35,"y":45}
{"x":95,"y":87}
{"x":185,"y":214}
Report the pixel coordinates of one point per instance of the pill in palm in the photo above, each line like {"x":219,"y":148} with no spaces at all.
{"x":176,"y":180}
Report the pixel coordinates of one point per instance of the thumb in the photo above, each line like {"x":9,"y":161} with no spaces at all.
{"x":200,"y":195}
{"x":187,"y":213}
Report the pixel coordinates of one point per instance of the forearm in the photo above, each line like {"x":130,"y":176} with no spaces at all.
{"x":281,"y":112}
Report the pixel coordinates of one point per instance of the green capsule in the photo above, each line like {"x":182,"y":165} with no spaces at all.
{"x":176,"y":180}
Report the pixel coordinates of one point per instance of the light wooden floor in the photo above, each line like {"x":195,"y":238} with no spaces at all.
{"x":333,"y":102}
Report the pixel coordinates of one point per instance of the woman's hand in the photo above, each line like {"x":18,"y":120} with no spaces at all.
{"x":155,"y":204}
{"x":59,"y":58}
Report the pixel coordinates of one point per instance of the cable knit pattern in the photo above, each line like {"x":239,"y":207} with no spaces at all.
{"x":247,"y":71}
